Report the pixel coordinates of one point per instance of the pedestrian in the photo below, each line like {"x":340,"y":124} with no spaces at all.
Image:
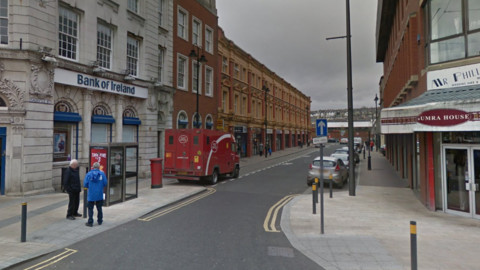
{"x":371,"y":145}
{"x":270,"y":150}
{"x":260,"y":148}
{"x":95,"y":181}
{"x":267,"y":149}
{"x":71,"y":184}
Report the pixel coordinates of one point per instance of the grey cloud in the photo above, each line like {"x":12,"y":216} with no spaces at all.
{"x":289,"y":38}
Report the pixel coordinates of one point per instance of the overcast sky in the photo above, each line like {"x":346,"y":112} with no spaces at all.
{"x":289,"y":38}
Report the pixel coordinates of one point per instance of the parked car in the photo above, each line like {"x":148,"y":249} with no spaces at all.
{"x":332,"y":140}
{"x":356,"y":156}
{"x":333,"y":166}
{"x":343,"y":155}
{"x":343,"y":141}
{"x":383,"y":149}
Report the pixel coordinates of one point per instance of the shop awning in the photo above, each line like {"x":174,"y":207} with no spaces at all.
{"x":452,"y":109}
{"x":132,"y":121}
{"x":103,"y":119}
{"x":67,"y":117}
{"x":209,"y":124}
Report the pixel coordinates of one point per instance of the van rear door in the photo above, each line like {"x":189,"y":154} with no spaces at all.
{"x":183,"y":148}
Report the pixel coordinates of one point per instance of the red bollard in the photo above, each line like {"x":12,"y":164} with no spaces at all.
{"x":157,"y":173}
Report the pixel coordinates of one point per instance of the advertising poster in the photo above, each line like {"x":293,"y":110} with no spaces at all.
{"x":99,"y":154}
{"x":59,"y":143}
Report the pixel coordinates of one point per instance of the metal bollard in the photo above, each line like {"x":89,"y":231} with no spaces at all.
{"x":316,"y":192}
{"x":331,"y":183}
{"x":413,"y":244}
{"x":23,"y":237}
{"x":363,"y":153}
{"x":314,"y":189}
{"x":85,"y":202}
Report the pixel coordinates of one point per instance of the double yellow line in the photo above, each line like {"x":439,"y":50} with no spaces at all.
{"x":167,"y":210}
{"x":53,"y":260}
{"x":274,"y":209}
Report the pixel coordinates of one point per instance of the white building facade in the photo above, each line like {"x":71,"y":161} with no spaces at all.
{"x":77,"y":72}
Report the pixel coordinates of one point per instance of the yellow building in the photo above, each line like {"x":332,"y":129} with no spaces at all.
{"x":244,"y":86}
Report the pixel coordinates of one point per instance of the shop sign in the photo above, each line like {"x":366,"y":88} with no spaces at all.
{"x":287,"y":131}
{"x":99,"y":154}
{"x":42,"y":101}
{"x":242,"y":129}
{"x":454,"y":77}
{"x":443,"y":117}
{"x":279,"y":131}
{"x":219,"y":124}
{"x":91,"y":82}
{"x":269,"y":131}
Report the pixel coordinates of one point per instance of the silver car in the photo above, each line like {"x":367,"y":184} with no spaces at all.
{"x":334,"y":170}
{"x":356,"y":156}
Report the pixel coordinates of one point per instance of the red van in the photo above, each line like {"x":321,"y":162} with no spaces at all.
{"x":200,"y":154}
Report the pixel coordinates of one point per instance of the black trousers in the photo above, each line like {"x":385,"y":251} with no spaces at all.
{"x":73,"y":203}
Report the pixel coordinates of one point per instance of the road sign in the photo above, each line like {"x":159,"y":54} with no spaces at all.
{"x":319,"y":140}
{"x":321,"y":126}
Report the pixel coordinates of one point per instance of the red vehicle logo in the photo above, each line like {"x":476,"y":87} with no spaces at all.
{"x":183,"y":139}
{"x":214,"y":146}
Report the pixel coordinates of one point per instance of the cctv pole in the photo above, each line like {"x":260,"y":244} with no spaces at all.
{"x":351,"y":182}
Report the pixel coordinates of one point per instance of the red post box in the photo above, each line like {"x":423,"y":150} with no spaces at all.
{"x":156,"y":170}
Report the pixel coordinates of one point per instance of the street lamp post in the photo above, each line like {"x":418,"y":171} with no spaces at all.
{"x":369,"y":167}
{"x":307,"y":124}
{"x":266,"y":123}
{"x":200,"y":59}
{"x":376,"y":123}
{"x":352,"y":183}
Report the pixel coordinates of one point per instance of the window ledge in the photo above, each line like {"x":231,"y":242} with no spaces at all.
{"x":110,"y":3}
{"x":162,"y":30}
{"x":132,"y":15}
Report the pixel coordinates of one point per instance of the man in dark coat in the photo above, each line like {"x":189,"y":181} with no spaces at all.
{"x":71,"y":184}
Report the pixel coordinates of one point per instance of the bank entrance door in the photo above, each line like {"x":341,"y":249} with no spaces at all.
{"x":461,"y":176}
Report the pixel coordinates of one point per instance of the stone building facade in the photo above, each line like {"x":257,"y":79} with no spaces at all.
{"x":79,"y":72}
{"x":243,"y":102}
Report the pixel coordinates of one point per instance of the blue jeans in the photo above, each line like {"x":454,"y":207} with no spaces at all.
{"x":99,"y":205}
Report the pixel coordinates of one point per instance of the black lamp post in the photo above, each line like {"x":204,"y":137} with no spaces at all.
{"x":369,"y":148}
{"x":200,"y":59}
{"x":307,"y":124}
{"x":266,"y":91}
{"x":376,"y":123}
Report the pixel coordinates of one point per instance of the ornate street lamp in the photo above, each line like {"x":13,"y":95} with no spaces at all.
{"x":266,"y":123}
{"x":307,"y":124}
{"x":200,"y":59}
{"x":376,"y":124}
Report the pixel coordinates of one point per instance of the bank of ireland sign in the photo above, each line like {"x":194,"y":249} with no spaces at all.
{"x":95,"y":83}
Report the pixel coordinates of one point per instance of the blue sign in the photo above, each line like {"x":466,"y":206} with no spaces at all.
{"x":321,"y":126}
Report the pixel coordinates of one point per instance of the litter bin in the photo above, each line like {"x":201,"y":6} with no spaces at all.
{"x":156,"y":170}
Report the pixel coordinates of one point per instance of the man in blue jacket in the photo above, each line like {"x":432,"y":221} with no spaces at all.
{"x":95,"y":181}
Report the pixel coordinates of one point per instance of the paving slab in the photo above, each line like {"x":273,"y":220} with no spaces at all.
{"x":372,"y":229}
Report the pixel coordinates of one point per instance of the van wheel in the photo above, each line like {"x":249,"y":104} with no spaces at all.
{"x":236,"y":172}
{"x":214,"y":177}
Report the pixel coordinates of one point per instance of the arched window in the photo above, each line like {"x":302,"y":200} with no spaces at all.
{"x":65,"y":131}
{"x":182,"y":120}
{"x":130,"y":126}
{"x":194,"y":121}
{"x":62,"y":106}
{"x":101,"y":125}
{"x":209,"y":122}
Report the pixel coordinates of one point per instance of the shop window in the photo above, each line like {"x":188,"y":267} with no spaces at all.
{"x":99,"y":133}
{"x":209,"y":122}
{"x":128,"y":133}
{"x":62,"y":141}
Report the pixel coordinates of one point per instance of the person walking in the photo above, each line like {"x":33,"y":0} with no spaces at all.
{"x":95,"y":181}
{"x":260,"y":148}
{"x":269,"y":150}
{"x":71,"y":184}
{"x":371,"y":145}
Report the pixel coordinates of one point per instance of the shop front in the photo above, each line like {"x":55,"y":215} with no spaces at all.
{"x":269,"y":140}
{"x":436,"y":146}
{"x":241,"y":137}
{"x":256,"y":139}
{"x":278,"y":139}
{"x":287,"y":138}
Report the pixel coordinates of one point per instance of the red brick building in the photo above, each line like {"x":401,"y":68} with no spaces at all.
{"x":430,"y":94}
{"x":195,"y":27}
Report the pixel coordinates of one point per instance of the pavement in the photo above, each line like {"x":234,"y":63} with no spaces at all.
{"x":372,"y":229}
{"x":49,"y":231}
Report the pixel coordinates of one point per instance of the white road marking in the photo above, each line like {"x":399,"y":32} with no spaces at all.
{"x":232,"y":180}
{"x":214,"y":185}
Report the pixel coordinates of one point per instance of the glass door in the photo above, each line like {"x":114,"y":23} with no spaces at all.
{"x":457,"y":175}
{"x":117,"y":171}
